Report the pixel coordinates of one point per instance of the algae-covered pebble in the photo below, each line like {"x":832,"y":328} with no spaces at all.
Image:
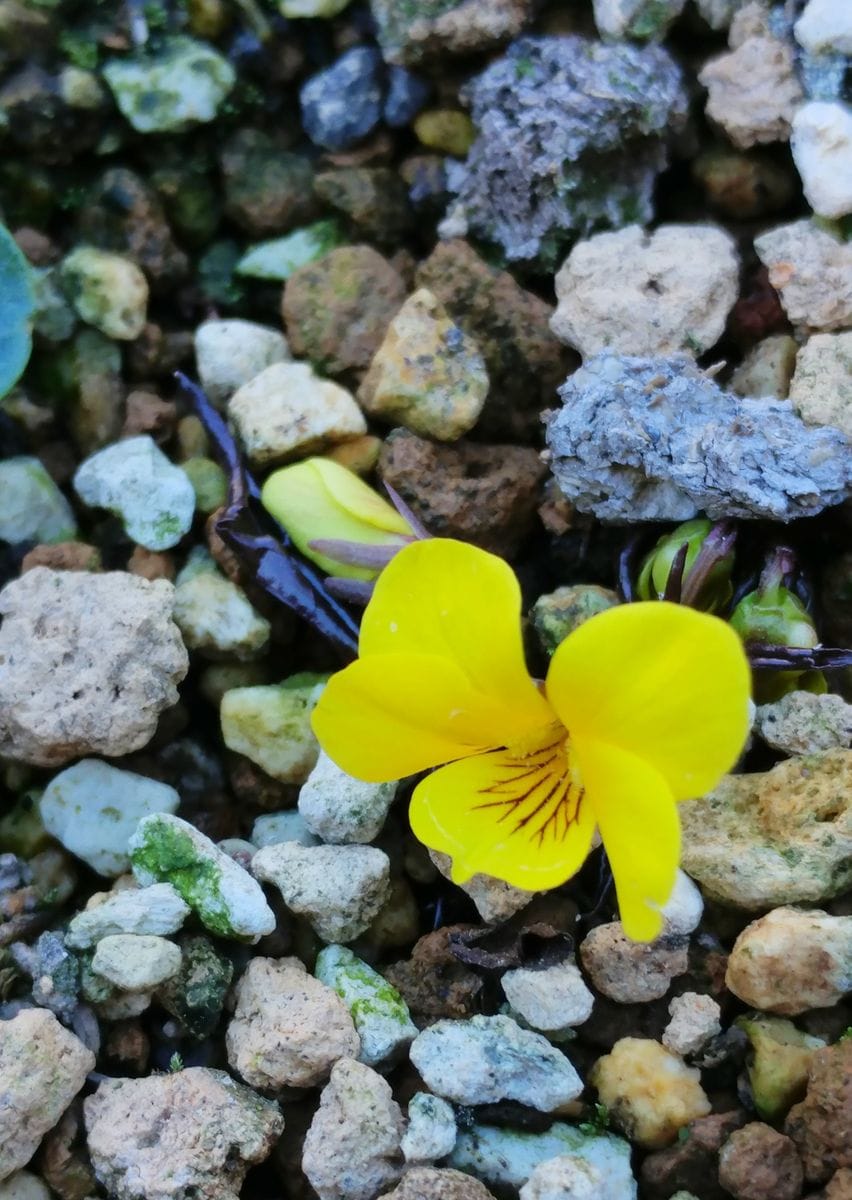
{"x":278,"y":258}
{"x":270,"y":724}
{"x":133,"y":478}
{"x":196,"y":995}
{"x":380,"y":1014}
{"x":181,"y":84}
{"x":226,"y":898}
{"x":33,"y":508}
{"x":778,"y":1063}
{"x":107,"y":290}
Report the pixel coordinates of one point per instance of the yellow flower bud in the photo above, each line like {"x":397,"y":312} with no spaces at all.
{"x":318,"y":500}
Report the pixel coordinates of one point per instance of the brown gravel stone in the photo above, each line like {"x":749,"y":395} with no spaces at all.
{"x":147,"y":413}
{"x":63,"y":556}
{"x":338,"y":308}
{"x":758,"y":1163}
{"x":632,"y":972}
{"x":525,"y":361}
{"x":839,"y":1187}
{"x":151,"y":564}
{"x":481,"y":494}
{"x":433,"y":983}
{"x":820,"y":1124}
{"x":690,"y":1164}
{"x":433,"y":1183}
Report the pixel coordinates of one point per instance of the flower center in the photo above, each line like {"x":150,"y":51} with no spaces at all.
{"x":537,"y":785}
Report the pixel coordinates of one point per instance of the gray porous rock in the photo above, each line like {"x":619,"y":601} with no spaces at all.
{"x":655,"y":439}
{"x":571,"y":138}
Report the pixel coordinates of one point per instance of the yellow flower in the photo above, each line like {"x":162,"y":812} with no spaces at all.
{"x":318,"y":501}
{"x":644,"y":705}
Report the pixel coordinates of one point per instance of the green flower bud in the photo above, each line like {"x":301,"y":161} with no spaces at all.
{"x":705,"y":571}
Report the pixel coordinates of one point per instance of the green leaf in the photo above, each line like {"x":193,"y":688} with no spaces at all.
{"x":17,"y":302}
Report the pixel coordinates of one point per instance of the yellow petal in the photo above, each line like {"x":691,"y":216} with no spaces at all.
{"x":639,"y":824}
{"x":318,"y":499}
{"x":389,"y":715}
{"x":463,"y":605}
{"x":523,"y":820}
{"x":662,"y":681}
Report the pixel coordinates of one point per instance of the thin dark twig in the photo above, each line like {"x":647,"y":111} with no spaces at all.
{"x":674,"y":582}
{"x":626,"y":564}
{"x":419,"y":530}
{"x":766,"y":657}
{"x":714,"y":549}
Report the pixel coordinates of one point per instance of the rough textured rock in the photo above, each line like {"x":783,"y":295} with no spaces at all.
{"x":165,"y":849}
{"x":157,"y":909}
{"x":759,"y":1163}
{"x":495,"y":899}
{"x":811,"y":269}
{"x":821,"y":388}
{"x":107,"y":291}
{"x":34,"y":509}
{"x":288,"y":412}
{"x":352,"y":1149}
{"x":525,"y":362}
{"x":230,"y":353}
{"x":288,"y":1029}
{"x":179,"y":86}
{"x":692,"y":1163}
{"x":431,"y":1131}
{"x":189,"y":1134}
{"x":42,"y":1067}
{"x":93,"y":808}
{"x":753,"y":89}
{"x":632,"y":972}
{"x":339,"y":889}
{"x":792,"y":960}
{"x":427,"y":375}
{"x":343,"y":103}
{"x":339,"y":808}
{"x":824,"y":27}
{"x":676,"y":287}
{"x":552,"y":1000}
{"x":564,"y":1178}
{"x":136,"y":962}
{"x":432,"y":1183}
{"x":778,"y":1062}
{"x":648,"y":1091}
{"x":656,"y":439}
{"x":433,"y":982}
{"x":637,"y":19}
{"x":489,"y":1059}
{"x":338,"y":308}
{"x":482,"y":494}
{"x":773,"y":838}
{"x":88,"y":663}
{"x":805,"y":723}
{"x":821,"y":143}
{"x":270,"y":724}
{"x":595,"y":111}
{"x":694,"y":1021}
{"x":411,"y":33}
{"x":214,"y":615}
{"x":267,"y":189}
{"x":819,"y":1125}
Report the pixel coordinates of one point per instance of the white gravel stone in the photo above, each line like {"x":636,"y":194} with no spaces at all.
{"x":179,"y":84}
{"x":124,"y":1006}
{"x":805,"y":723}
{"x":33,"y":509}
{"x":157,"y":909}
{"x":288,"y":1029}
{"x":165,"y":849}
{"x":551,"y":1001}
{"x":215,"y":616}
{"x":753,"y":90}
{"x":136,"y":962}
{"x":133,"y":479}
{"x":567,"y":1177}
{"x":821,"y":143}
{"x":93,"y":808}
{"x":694,"y":1021}
{"x":685,"y":907}
{"x":339,"y":889}
{"x":620,"y":19}
{"x":675,"y":289}
{"x":191,"y":1133}
{"x":230,"y":353}
{"x":811,"y":269}
{"x":825,"y":26}
{"x":821,"y":388}
{"x":488,"y":1059}
{"x":289,"y":826}
{"x":352,"y":1149}
{"x":792,"y":960}
{"x":88,"y":662}
{"x":288,"y":412}
{"x":495,"y":899}
{"x":380,"y":1014}
{"x":42,"y":1068}
{"x":339,"y":808}
{"x":23,"y":1185}
{"x":506,"y":1158}
{"x":767,"y":368}
{"x":431,"y":1131}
